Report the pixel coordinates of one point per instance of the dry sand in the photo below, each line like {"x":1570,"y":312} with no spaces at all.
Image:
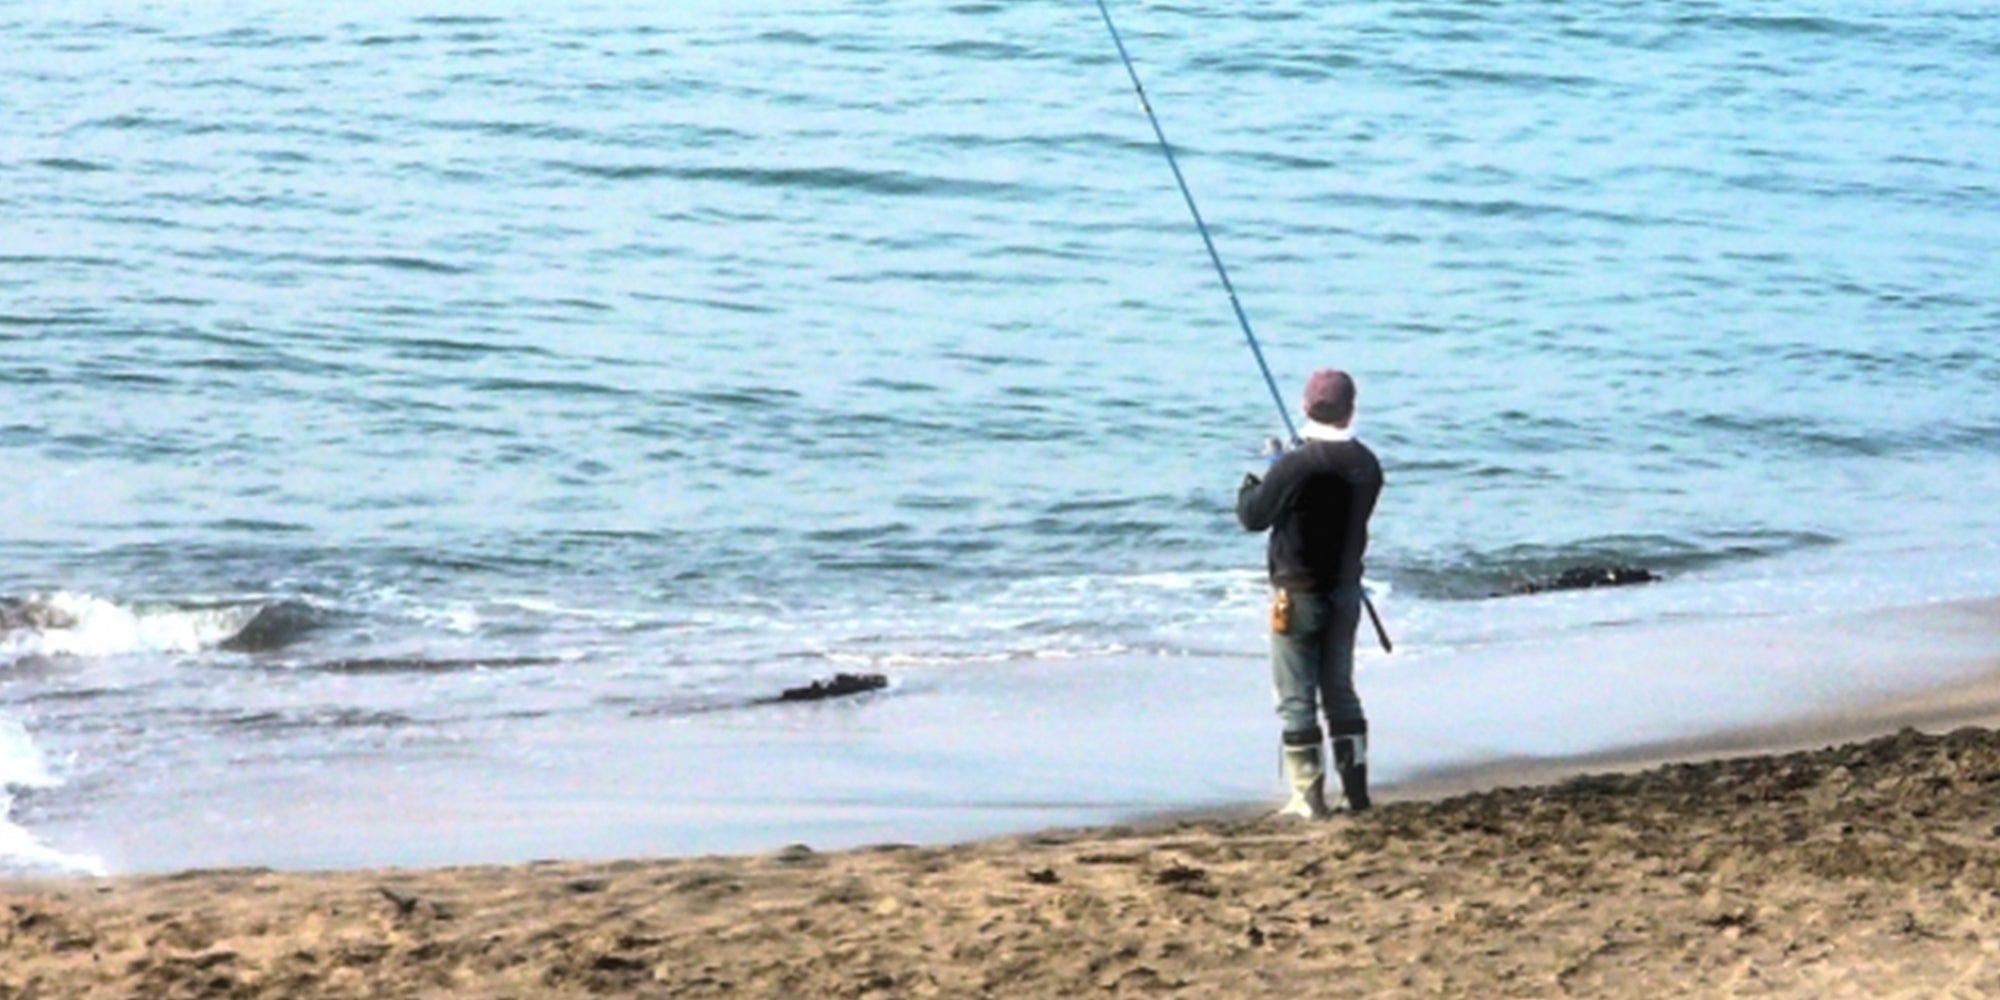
{"x":1868,"y":869}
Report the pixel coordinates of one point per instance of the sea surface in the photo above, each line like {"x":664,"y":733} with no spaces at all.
{"x":376,"y":379}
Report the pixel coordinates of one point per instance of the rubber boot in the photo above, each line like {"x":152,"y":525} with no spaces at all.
{"x":1305,"y":772}
{"x":1350,"y":761}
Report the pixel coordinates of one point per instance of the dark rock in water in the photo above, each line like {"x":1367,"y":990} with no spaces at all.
{"x":32,"y":613}
{"x":841,"y":684}
{"x":1584,"y":578}
{"x":275,"y":626}
{"x":838,"y":685}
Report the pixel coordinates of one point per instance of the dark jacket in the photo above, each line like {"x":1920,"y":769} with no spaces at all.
{"x":1316,"y":500}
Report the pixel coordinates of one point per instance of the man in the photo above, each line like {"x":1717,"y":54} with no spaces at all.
{"x":1316,"y":500}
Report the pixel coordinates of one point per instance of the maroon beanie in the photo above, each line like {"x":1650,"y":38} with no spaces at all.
{"x":1330,"y":397}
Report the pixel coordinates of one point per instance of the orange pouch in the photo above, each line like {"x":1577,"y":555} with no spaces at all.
{"x":1281,"y":611}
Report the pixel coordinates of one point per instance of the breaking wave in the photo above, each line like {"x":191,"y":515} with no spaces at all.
{"x":64,"y":624}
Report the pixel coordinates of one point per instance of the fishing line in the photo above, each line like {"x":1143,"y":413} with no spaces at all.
{"x":1243,"y":320}
{"x":1291,"y":433}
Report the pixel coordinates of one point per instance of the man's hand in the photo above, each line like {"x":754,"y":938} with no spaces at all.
{"x":1267,"y":455}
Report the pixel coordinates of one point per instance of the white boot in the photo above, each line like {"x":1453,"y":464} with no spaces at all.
{"x":1306,"y":773}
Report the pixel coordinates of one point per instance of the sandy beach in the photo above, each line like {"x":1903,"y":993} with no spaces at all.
{"x":1852,"y":852}
{"x":1865,"y":869}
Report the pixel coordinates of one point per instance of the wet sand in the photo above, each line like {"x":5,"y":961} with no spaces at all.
{"x":1853,"y":853}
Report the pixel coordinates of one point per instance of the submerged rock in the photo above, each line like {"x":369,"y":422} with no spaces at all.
{"x":274,"y":627}
{"x":840,"y":684}
{"x":1584,"y":578}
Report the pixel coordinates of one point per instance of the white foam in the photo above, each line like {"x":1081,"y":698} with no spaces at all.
{"x":21,"y":852}
{"x":22,"y":767}
{"x":461,"y":619}
{"x":97,"y":627}
{"x":21,"y":764}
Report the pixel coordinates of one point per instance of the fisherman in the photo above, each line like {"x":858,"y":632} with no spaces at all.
{"x":1315,"y":500}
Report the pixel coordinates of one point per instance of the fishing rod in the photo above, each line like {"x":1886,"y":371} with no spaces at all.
{"x":1291,"y":433}
{"x":1242,"y":319}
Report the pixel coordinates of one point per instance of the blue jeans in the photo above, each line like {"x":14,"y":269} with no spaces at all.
{"x":1312,"y":665}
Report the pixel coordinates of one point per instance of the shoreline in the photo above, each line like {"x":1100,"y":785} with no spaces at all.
{"x":1853,"y":851}
{"x":1861,"y":869}
{"x":1006,"y":748}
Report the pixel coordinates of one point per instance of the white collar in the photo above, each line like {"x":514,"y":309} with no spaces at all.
{"x":1316,"y":431}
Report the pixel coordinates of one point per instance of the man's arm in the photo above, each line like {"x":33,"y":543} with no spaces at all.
{"x":1257,"y":499}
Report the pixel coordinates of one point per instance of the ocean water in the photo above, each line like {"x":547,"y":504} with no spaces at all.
{"x":378,"y":381}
